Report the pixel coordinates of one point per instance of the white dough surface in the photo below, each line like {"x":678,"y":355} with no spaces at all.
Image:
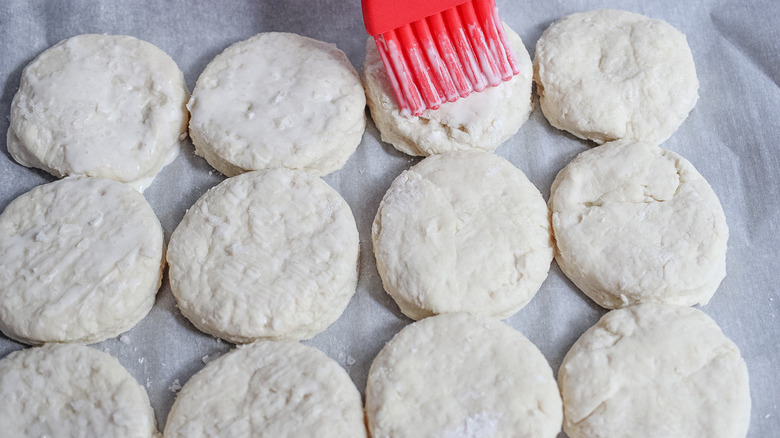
{"x":267,"y":254}
{"x":461,"y":375}
{"x":278,"y":100}
{"x":731,"y":137}
{"x":65,"y":391}
{"x":635,"y":223}
{"x":655,"y":370}
{"x":80,"y":261}
{"x":111,"y":106}
{"x":462,"y":231}
{"x":269,"y":389}
{"x":607,"y":74}
{"x":481,"y":121}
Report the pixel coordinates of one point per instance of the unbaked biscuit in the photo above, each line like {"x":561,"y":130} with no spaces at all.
{"x":605,"y":75}
{"x":80,"y":261}
{"x":635,"y":223}
{"x":267,"y":254}
{"x":461,"y":375}
{"x":64,"y":391}
{"x":655,"y":370}
{"x":480,"y":121}
{"x":268,"y":388}
{"x":99,"y":105}
{"x":462,"y":231}
{"x":278,"y":100}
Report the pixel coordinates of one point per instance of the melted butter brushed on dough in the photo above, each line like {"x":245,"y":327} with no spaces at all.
{"x":81,"y":261}
{"x":480,"y":121}
{"x":278,"y":100}
{"x":100,"y":105}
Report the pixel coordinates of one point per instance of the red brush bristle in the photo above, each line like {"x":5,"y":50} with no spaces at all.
{"x":466,"y":58}
{"x":421,"y":70}
{"x":495,"y":35}
{"x":445,"y":56}
{"x":438,"y":67}
{"x":449,"y":55}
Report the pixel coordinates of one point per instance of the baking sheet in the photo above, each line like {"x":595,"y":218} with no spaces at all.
{"x":732,"y":137}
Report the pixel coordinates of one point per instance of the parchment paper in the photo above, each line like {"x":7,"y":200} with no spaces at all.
{"x":732,"y":137}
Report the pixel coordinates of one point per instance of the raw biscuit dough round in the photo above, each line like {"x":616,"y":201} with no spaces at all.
{"x":267,"y":254}
{"x":481,"y":121}
{"x":63,"y":391}
{"x":80,"y":261}
{"x":461,"y":375}
{"x":110,"y":106}
{"x":278,"y":100}
{"x":655,"y":370}
{"x":635,"y":223}
{"x":268,"y":388}
{"x":462,"y":231}
{"x":605,"y":75}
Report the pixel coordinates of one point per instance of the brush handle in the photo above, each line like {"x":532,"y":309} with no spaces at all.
{"x":381,"y":16}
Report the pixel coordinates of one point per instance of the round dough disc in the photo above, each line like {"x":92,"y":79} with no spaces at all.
{"x":480,"y":121}
{"x":110,"y":106}
{"x":268,"y":388}
{"x":635,"y":223}
{"x":80,"y":261}
{"x":462,"y":231}
{"x":461,"y":375}
{"x":655,"y":370}
{"x":278,"y":100}
{"x":266,"y":254}
{"x":605,"y":75}
{"x":63,"y":391}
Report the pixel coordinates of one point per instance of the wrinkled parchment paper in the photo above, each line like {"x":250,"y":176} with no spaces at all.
{"x":732,"y":137}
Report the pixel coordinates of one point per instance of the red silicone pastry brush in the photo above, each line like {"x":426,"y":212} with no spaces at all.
{"x":439,"y":50}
